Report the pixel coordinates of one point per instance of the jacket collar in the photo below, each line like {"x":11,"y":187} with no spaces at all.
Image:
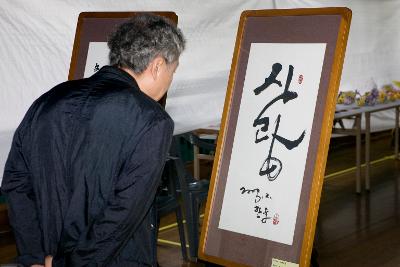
{"x":112,"y":72}
{"x":116,"y":73}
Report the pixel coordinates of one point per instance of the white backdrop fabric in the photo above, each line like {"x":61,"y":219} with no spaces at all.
{"x":37,"y":38}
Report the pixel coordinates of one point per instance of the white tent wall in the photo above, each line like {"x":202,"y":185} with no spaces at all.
{"x":37,"y":38}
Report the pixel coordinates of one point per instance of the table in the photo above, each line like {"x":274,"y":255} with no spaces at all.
{"x":356,"y":112}
{"x":210,"y":133}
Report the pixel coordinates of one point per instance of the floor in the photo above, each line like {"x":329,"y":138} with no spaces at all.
{"x":357,"y":230}
{"x":360,"y":230}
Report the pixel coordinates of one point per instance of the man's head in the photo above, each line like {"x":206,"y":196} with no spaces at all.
{"x":148,"y":48}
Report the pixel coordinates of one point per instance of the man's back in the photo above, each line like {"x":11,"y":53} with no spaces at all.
{"x":84,"y":145}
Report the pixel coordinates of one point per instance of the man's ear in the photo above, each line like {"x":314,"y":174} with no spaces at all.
{"x":155,"y":66}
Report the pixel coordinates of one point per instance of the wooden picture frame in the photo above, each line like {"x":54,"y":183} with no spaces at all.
{"x":229,"y":236}
{"x":96,"y":27}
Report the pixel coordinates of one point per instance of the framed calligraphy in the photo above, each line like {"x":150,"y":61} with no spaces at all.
{"x":270,"y":160}
{"x":90,"y":51}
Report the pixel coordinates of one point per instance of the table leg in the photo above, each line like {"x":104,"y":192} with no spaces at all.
{"x":367,"y":149}
{"x":396,"y":135}
{"x":358,"y":154}
{"x":196,"y":162}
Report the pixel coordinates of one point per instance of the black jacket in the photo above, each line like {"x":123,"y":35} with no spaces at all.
{"x":82,"y":173}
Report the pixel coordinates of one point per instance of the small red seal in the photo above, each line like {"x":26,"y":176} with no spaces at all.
{"x":275,"y":220}
{"x":301,"y":78}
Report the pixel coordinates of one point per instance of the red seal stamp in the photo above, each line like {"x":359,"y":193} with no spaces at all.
{"x":275,"y":220}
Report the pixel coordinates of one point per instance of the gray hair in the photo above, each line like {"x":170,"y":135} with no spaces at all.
{"x":138,"y":41}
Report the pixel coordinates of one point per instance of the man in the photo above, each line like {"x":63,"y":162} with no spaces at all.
{"x":86,"y":160}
